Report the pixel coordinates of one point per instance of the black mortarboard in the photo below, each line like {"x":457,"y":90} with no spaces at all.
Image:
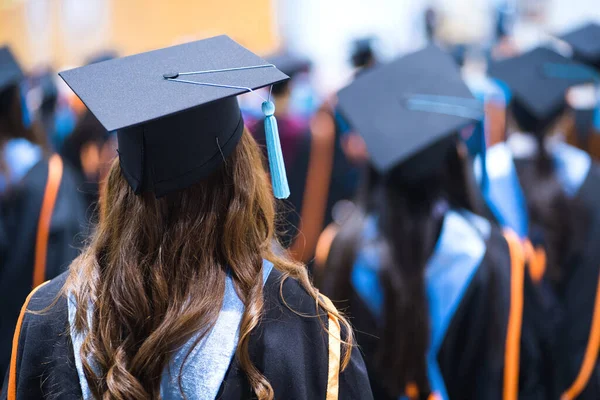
{"x":585,"y":42}
{"x":538,"y":81}
{"x":407,"y":106}
{"x":174,"y":109}
{"x":10,"y":71}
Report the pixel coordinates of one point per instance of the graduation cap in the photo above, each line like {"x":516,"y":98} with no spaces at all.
{"x":585,"y":42}
{"x":175,"y":110}
{"x":409,"y":110}
{"x":10,"y":71}
{"x":538,"y":81}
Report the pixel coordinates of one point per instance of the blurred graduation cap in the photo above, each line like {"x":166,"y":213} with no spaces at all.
{"x":105,"y":55}
{"x":538,"y":81}
{"x":175,"y":110}
{"x":362,"y":52}
{"x":409,"y":111}
{"x":10,"y":71}
{"x":585,"y":42}
{"x":289,"y":64}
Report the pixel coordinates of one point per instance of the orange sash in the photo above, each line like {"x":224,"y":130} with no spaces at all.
{"x":55,"y":170}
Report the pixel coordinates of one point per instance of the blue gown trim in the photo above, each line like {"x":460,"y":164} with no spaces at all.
{"x":503,"y":193}
{"x":20,"y":156}
{"x":572,"y":167}
{"x":207,"y":364}
{"x":456,"y":258}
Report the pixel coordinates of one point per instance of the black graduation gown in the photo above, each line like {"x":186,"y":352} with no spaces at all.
{"x":20,"y":209}
{"x":472,"y":355}
{"x":578,"y":290}
{"x":289,"y":349}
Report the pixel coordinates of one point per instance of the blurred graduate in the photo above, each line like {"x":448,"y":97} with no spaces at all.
{"x":585,"y":46}
{"x":435,"y":290}
{"x":548,"y":192}
{"x":41,"y":212}
{"x":345,"y":148}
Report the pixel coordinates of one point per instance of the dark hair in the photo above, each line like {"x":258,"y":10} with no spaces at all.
{"x":280,"y":88}
{"x":11,"y":115}
{"x":11,"y":119}
{"x":410,"y":220}
{"x":362,"y":53}
{"x":555,"y":220}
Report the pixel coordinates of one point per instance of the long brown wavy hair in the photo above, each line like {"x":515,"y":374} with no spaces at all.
{"x":155,"y":273}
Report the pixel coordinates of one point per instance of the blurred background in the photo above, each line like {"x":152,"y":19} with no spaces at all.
{"x":65,"y":33}
{"x":331,"y":41}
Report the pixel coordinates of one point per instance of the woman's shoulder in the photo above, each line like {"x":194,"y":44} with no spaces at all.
{"x":287,"y":299}
{"x":45,"y":311}
{"x":47,"y":293}
{"x":291,"y":318}
{"x":43,"y":357}
{"x":293,"y":348}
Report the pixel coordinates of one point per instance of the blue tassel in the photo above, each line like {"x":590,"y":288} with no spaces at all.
{"x":281,"y":189}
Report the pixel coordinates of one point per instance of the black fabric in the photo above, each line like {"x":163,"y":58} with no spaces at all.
{"x":471,"y":358}
{"x":476,"y":338}
{"x":568,"y":306}
{"x":291,"y":350}
{"x":45,"y":361}
{"x":169,"y":154}
{"x":578,"y":297}
{"x":20,"y":209}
